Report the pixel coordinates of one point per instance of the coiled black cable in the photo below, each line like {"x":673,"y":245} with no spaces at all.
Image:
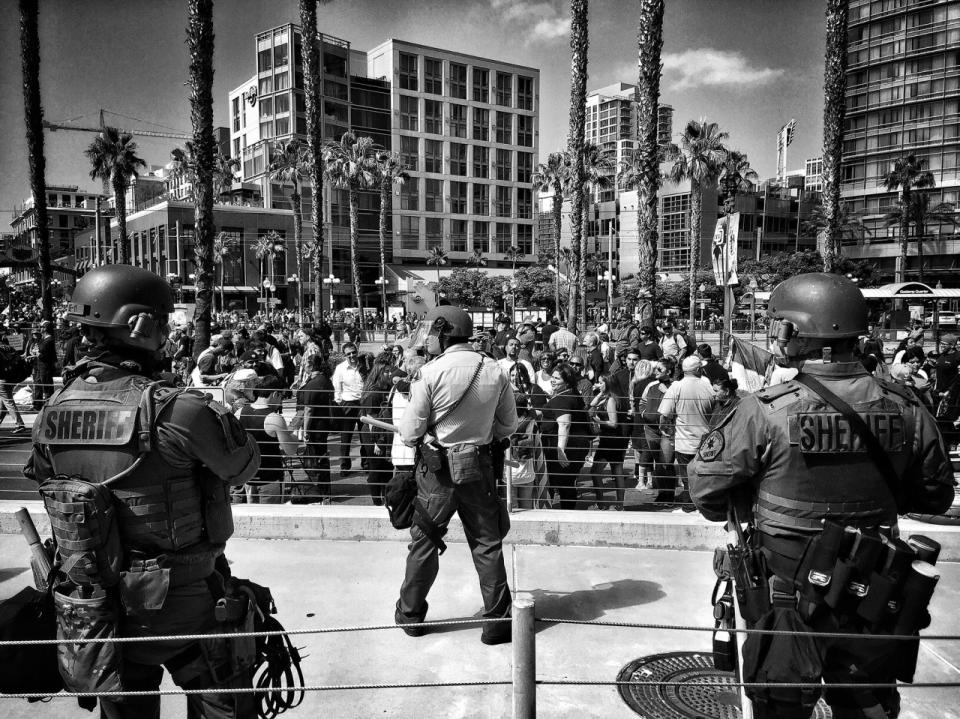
{"x":278,"y":672}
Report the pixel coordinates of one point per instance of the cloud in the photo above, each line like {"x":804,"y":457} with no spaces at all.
{"x":710,"y":67}
{"x":539,"y":21}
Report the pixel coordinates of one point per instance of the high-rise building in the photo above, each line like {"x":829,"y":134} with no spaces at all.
{"x":903,"y":98}
{"x":467,"y":129}
{"x":813,"y":175}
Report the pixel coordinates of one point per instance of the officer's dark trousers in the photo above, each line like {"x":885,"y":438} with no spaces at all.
{"x":188,"y":609}
{"x":485,"y":524}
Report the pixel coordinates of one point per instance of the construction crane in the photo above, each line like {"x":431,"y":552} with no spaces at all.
{"x":54,"y":126}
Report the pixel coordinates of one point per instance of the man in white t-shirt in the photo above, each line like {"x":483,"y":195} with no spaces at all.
{"x":513,"y":357}
{"x":690,"y":402}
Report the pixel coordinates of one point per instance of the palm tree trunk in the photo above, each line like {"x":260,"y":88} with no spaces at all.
{"x":312,"y":79}
{"x":354,"y":249}
{"x":385,"y":186}
{"x":557,"y":209}
{"x":223,"y":305}
{"x":33,"y":112}
{"x":295,"y":200}
{"x":904,"y":233}
{"x":582,"y":272}
{"x":120,"y":206}
{"x":200,"y":44}
{"x":920,"y":229}
{"x":834,"y":111}
{"x":696,"y":220}
{"x":579,"y":45}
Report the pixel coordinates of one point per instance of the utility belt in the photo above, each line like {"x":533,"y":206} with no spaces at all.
{"x":459,"y":464}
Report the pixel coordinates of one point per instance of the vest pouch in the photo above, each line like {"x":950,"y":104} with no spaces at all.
{"x":217,"y":512}
{"x":84,"y":525}
{"x":434,"y":459}
{"x":144,"y":588}
{"x":93,"y":667}
{"x":464,"y":463}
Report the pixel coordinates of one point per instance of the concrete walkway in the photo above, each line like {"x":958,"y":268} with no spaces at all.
{"x":324,"y":583}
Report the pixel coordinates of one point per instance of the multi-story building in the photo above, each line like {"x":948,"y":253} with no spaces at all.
{"x":69,"y":210}
{"x":467,"y":129}
{"x":903,"y":98}
{"x":813,"y":175}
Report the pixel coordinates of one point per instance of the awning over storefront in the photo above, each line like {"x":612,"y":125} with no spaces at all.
{"x":899,"y":290}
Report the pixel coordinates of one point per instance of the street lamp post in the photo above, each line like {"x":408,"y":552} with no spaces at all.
{"x":268,"y":286}
{"x":294,"y":282}
{"x":753,"y":306}
{"x":608,"y":277}
{"x":703,"y":304}
{"x":332,"y":282}
{"x":382,"y":282}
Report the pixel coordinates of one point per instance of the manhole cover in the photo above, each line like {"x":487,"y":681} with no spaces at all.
{"x":693,"y":697}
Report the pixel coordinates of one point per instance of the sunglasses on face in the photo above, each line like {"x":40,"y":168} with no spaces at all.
{"x":351,"y":354}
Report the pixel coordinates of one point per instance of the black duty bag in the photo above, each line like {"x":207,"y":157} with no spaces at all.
{"x":400,"y":497}
{"x":28,"y":668}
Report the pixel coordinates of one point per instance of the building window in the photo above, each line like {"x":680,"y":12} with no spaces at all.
{"x":433,"y":156}
{"x":524,"y":203}
{"x":408,"y":71}
{"x":481,"y":124}
{"x":232,"y":261}
{"x":524,"y":92}
{"x":458,"y":198}
{"x":281,"y":81}
{"x":504,"y":237}
{"x":434,"y":233}
{"x":481,"y":199}
{"x":458,"y":81}
{"x":410,"y":194}
{"x":458,"y":120}
{"x":409,"y":232}
{"x":433,"y":117}
{"x":236,"y":114}
{"x":281,"y":103}
{"x":525,"y":239}
{"x":458,"y":235}
{"x":266,"y":107}
{"x":410,"y":152}
{"x":504,"y":201}
{"x":283,"y":126}
{"x":481,"y":236}
{"x":481,"y":161}
{"x":504,"y":128}
{"x":433,"y":76}
{"x":524,"y":167}
{"x":266,"y":130}
{"x":504,"y":89}
{"x":481,"y":85}
{"x":433,"y":197}
{"x":281,"y":55}
{"x":264,"y":55}
{"x":504,"y":165}
{"x":525,"y":130}
{"x":409,"y":116}
{"x":458,"y":159}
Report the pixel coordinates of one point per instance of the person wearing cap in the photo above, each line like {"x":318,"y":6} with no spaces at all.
{"x":710,"y":367}
{"x":689,"y":403}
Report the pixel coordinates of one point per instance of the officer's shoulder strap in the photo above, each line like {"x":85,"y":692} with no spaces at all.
{"x":769,"y":394}
{"x":898,"y":389}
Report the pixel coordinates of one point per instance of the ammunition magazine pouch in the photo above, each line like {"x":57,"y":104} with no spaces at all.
{"x":88,"y":667}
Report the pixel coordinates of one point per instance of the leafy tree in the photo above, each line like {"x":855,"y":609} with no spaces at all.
{"x":477,"y":259}
{"x":535,"y":285}
{"x":472,"y":288}
{"x":114,"y":160}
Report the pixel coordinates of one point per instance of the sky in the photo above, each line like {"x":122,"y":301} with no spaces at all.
{"x":749,"y":65}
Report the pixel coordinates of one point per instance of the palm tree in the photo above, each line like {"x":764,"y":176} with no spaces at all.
{"x":553,"y":176}
{"x":906,"y":175}
{"x":477,"y":259}
{"x":223,"y":177}
{"x":290,"y":163}
{"x":736,"y":176}
{"x":579,"y":45}
{"x":597,"y":166}
{"x":699,"y":159}
{"x":834,"y":112}
{"x":183,"y":168}
{"x":113,"y":159}
{"x":268,"y":247}
{"x":849,"y":225}
{"x":512,"y":255}
{"x":351,"y":165}
{"x":646,"y":159}
{"x":200,"y":45}
{"x":437,"y":257}
{"x":224,"y":245}
{"x":33,"y":112}
{"x":312,"y":87}
{"x":391,"y":171}
{"x":921,"y":214}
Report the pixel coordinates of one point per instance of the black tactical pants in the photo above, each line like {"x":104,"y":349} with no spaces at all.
{"x":485,"y":524}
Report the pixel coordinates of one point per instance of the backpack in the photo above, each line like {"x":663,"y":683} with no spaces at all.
{"x":13,"y":367}
{"x":400,"y":496}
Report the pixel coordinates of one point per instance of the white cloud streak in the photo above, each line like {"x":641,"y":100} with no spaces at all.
{"x":704,"y":67}
{"x":541,"y":21}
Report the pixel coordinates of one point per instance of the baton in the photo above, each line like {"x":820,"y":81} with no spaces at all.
{"x":379,"y":423}
{"x":39,"y":558}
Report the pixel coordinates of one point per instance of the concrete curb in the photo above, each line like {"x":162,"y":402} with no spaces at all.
{"x":646,"y":530}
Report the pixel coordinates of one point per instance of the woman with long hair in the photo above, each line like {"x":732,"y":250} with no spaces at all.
{"x":523,"y":385}
{"x":374,"y":444}
{"x":608,"y":409}
{"x":566,"y":434}
{"x":642,"y":453}
{"x":659,"y":431}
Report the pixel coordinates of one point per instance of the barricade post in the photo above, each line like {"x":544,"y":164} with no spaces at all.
{"x":524,"y":659}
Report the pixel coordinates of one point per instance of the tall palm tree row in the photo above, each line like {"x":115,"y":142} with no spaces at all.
{"x":33,"y":115}
{"x":647,"y":156}
{"x":224,"y":245}
{"x":736,"y":176}
{"x":437,"y":257}
{"x":200,"y":46}
{"x":114,"y":160}
{"x":579,"y":45}
{"x":390,"y":171}
{"x":290,"y":163}
{"x":351,"y":165}
{"x":698,"y":159}
{"x":906,"y":175}
{"x":597,"y":167}
{"x":922,"y":213}
{"x":268,"y":247}
{"x":552,"y":176}
{"x":834,"y":112}
{"x":312,"y":80}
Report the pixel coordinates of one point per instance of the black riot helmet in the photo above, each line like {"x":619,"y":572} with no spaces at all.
{"x":815,"y":309}
{"x":446,"y":322}
{"x":129,"y":304}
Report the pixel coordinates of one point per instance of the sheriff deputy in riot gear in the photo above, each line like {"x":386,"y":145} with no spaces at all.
{"x":461,"y":409}
{"x":169,"y":471}
{"x":794,"y":459}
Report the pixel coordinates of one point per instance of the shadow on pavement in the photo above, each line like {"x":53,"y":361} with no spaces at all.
{"x":593,"y":603}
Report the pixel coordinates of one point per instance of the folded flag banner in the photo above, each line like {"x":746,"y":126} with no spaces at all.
{"x":749,"y":365}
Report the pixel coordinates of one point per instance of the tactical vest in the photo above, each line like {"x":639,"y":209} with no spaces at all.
{"x":96,"y":428}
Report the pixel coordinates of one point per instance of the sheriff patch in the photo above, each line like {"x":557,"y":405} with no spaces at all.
{"x":61,"y":425}
{"x":831,"y":433}
{"x":712,"y":446}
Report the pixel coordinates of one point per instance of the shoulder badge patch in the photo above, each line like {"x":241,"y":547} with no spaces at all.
{"x":712,"y":446}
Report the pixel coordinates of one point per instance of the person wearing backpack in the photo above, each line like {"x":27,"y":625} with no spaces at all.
{"x":150,"y":468}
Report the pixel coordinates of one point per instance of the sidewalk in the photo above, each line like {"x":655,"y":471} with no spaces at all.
{"x":319,"y":584}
